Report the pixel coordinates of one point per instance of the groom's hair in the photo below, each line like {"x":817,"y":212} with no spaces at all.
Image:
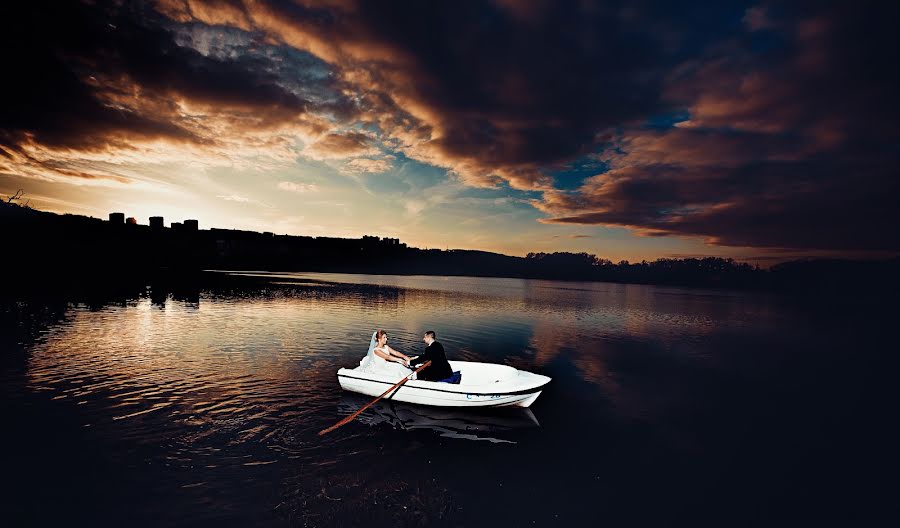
{"x":431,"y":334}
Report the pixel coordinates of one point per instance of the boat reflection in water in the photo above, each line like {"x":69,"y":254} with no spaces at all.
{"x":449,"y":422}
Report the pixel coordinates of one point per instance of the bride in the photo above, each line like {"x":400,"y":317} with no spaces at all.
{"x":383,"y":359}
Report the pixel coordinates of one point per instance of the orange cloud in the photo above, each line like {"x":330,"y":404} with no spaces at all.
{"x":775,"y":154}
{"x":787,"y":116}
{"x":340,"y":145}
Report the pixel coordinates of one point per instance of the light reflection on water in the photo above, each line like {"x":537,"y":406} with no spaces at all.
{"x":258,"y":357}
{"x":223,"y":393}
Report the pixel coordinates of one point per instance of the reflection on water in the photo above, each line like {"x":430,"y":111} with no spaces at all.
{"x":202,"y":404}
{"x":466,"y":424}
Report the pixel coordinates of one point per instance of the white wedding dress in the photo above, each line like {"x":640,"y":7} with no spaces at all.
{"x":378,"y":365}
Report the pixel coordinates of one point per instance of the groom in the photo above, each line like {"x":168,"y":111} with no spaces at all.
{"x":440,"y":367}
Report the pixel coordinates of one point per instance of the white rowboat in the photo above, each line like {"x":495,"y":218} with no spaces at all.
{"x":482,"y":385}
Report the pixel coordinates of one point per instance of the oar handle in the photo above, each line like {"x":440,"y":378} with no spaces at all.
{"x":366,"y":406}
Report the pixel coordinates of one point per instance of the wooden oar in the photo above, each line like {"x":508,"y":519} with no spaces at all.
{"x":366,"y":406}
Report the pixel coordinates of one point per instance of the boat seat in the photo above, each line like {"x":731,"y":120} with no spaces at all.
{"x":454,"y":379}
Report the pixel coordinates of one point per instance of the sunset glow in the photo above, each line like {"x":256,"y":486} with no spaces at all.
{"x":745,"y":130}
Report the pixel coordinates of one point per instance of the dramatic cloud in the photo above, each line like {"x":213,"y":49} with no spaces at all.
{"x":790,"y":111}
{"x":338,"y":146}
{"x":786,"y":148}
{"x":116,"y":84}
{"x":491,"y":91}
{"x":744,"y":123}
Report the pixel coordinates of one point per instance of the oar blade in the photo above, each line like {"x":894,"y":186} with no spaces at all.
{"x":350,"y":418}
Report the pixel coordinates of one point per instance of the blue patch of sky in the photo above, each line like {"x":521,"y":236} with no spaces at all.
{"x":305,"y":170}
{"x":302,"y":73}
{"x":297,"y":71}
{"x":667,"y":120}
{"x":501,"y":191}
{"x":388,"y":182}
{"x":417,"y":174}
{"x":217,"y":42}
{"x":371,"y":128}
{"x":573,"y":175}
{"x":406,"y":177}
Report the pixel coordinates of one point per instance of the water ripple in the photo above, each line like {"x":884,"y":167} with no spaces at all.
{"x":234,"y":385}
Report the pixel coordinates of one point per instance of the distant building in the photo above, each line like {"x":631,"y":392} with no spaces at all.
{"x":117,"y":218}
{"x":156,"y":222}
{"x":370,"y":241}
{"x":191,"y":225}
{"x":177,"y":226}
{"x":131,"y":220}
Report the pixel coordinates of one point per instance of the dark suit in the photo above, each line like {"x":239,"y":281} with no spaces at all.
{"x":439,"y":368}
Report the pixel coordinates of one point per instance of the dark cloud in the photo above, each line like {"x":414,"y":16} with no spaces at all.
{"x":89,"y":75}
{"x":495,"y":89}
{"x":42,"y":96}
{"x":516,"y":91}
{"x":510,"y":94}
{"x":573,"y":236}
{"x":792,"y":109}
{"x":788,"y":205}
{"x":791,"y":146}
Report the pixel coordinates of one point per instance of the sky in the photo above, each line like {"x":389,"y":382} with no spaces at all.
{"x":760,"y":131}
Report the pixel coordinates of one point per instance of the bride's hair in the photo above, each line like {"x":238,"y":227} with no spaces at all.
{"x":378,"y":335}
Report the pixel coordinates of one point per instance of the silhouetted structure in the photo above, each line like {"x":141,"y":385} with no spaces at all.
{"x":131,"y":220}
{"x":101,"y":247}
{"x":116,"y":218}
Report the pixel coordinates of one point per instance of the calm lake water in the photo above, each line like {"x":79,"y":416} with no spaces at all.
{"x":195,"y":406}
